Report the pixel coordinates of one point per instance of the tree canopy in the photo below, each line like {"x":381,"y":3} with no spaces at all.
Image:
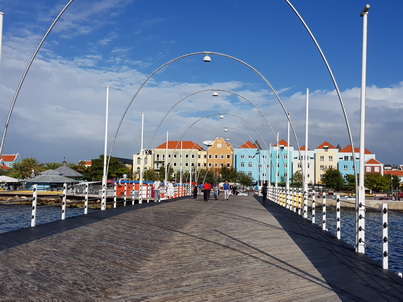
{"x":332,"y":179}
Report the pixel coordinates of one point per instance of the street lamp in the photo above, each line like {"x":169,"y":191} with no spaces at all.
{"x":360,"y":240}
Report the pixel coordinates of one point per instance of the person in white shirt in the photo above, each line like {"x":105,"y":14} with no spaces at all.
{"x":170,"y":190}
{"x":157,"y":194}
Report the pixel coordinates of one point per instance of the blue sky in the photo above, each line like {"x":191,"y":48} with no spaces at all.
{"x":60,"y":112}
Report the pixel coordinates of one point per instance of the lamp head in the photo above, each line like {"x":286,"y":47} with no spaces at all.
{"x":207,"y":59}
{"x":221,"y":117}
{"x":225,"y":129}
{"x":215,"y":93}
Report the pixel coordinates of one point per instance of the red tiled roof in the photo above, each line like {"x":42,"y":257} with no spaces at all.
{"x":177,"y":145}
{"x":349,"y":149}
{"x":9,"y":158}
{"x":282,"y":143}
{"x":4,"y":167}
{"x":322,"y":146}
{"x":394,"y":172}
{"x":248,"y":145}
{"x":373,"y":162}
{"x":303,"y":148}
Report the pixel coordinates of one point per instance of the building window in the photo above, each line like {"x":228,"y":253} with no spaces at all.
{"x":250,"y":156}
{"x":186,"y":164}
{"x":209,"y":156}
{"x":345,"y":157}
{"x":198,"y":164}
{"x":345,"y":167}
{"x":228,"y":156}
{"x":215,"y":165}
{"x":368,"y":169}
{"x":330,"y":158}
{"x":249,"y":164}
{"x":322,"y":158}
{"x":209,"y":164}
{"x":222,"y":165}
{"x":174,"y":155}
{"x":222,"y":156}
{"x":228,"y":165}
{"x":322,"y":167}
{"x":205,"y":155}
{"x":174,"y":164}
{"x":138,"y":160}
{"x":376,"y":169}
{"x":285,"y":156}
{"x":242,"y":156}
{"x":250,"y":174}
{"x":187,"y":156}
{"x":193,"y":156}
{"x":215,"y":156}
{"x":242,"y":164}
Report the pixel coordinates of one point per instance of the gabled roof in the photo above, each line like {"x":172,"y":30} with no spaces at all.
{"x":4,"y":167}
{"x":282,"y":143}
{"x":50,"y":179}
{"x":248,"y":145}
{"x":322,"y":146}
{"x":177,"y":145}
{"x":9,"y":157}
{"x":303,"y":148}
{"x":349,"y":149}
{"x":373,"y":162}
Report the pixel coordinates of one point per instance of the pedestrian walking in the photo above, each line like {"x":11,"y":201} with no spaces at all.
{"x":170,"y":190}
{"x":216,"y":190}
{"x":264,"y":192}
{"x":226,"y":190}
{"x":157,"y":193}
{"x":207,"y":190}
{"x":195,"y":191}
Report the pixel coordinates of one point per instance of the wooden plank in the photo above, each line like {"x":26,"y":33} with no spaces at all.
{"x":187,"y":250}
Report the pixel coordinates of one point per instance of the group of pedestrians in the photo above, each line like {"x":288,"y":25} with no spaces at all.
{"x":169,"y":189}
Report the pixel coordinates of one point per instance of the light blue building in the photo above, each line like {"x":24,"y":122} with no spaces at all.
{"x":252,"y":161}
{"x":345,"y":163}
{"x":282,"y":157}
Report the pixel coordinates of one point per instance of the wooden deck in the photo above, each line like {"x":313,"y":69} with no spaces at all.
{"x":188,"y":250}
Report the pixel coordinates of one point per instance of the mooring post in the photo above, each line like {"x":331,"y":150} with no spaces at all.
{"x":34,"y":205}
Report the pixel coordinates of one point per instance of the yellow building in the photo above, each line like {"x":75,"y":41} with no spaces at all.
{"x":326,"y":156}
{"x":220,"y":154}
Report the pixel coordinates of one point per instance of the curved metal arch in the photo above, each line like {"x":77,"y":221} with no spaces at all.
{"x":213,"y":90}
{"x":203,"y":53}
{"x":17,"y":91}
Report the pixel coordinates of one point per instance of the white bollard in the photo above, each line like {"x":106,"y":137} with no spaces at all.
{"x":313,"y":207}
{"x":34,"y":205}
{"x":385,"y":239}
{"x":338,"y":217}
{"x":324,"y":212}
{"x":86,"y":189}
{"x":64,"y":201}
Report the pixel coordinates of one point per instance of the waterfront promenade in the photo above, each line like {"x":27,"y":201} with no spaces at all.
{"x":188,"y":250}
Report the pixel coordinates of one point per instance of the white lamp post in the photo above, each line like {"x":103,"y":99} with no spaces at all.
{"x":361,"y":189}
{"x":105,"y":171}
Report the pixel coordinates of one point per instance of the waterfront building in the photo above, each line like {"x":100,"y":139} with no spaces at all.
{"x":180,"y":154}
{"x":345,"y":163}
{"x":373,"y":166}
{"x":252,"y":161}
{"x":8,"y":160}
{"x":219,"y":154}
{"x":326,"y":156}
{"x":283,"y":161}
{"x":298,"y":162}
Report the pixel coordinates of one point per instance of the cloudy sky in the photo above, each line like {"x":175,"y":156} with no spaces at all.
{"x":60,"y":111}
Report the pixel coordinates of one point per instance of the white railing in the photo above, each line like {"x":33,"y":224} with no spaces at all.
{"x":377,"y":230}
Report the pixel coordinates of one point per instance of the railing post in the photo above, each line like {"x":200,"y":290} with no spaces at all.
{"x":86,"y":189}
{"x":294,"y":200}
{"x":64,"y":201}
{"x":34,"y":205}
{"x":125,"y":195}
{"x":115,"y":192}
{"x":288,"y":198}
{"x":313,"y":207}
{"x":133,"y":194}
{"x":324,"y":211}
{"x":385,"y":247}
{"x":338,"y":216}
{"x":140,"y":193}
{"x":299,"y":201}
{"x":148,"y":193}
{"x":305,"y":204}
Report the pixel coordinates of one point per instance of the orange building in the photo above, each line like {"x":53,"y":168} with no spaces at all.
{"x":220,"y":154}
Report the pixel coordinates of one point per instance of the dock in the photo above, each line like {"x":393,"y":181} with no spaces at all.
{"x":188,"y":250}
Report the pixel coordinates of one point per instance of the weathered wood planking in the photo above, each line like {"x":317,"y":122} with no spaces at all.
{"x":187,"y":250}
